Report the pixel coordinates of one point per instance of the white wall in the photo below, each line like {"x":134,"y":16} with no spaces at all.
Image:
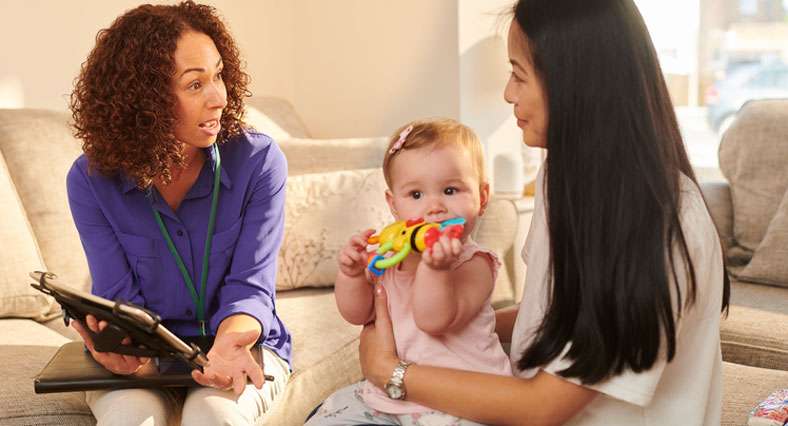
{"x":351,"y":68}
{"x":484,"y":72}
{"x":45,"y":42}
{"x":366,"y":67}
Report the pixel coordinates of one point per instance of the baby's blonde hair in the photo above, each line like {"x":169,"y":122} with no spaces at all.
{"x":436,"y":134}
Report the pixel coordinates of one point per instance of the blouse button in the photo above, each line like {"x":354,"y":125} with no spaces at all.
{"x":188,"y":312}
{"x":180,"y":233}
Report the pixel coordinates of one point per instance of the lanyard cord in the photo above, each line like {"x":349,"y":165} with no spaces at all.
{"x":199,"y":300}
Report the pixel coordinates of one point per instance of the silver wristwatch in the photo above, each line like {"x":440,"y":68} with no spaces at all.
{"x":395,"y":387}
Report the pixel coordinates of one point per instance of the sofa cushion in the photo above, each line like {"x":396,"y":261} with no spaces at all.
{"x":744,"y":387}
{"x":21,"y":406}
{"x":322,"y":210}
{"x":262,"y":123}
{"x":39,"y":149}
{"x":18,"y":331}
{"x":275,"y":117}
{"x":769,"y":263}
{"x":35,"y":344}
{"x":763,"y":297}
{"x":20,"y":256}
{"x":753,"y":154}
{"x":755,"y":337}
{"x":325,"y":354}
{"x":328,"y":155}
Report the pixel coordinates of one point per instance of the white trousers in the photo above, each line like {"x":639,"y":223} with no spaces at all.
{"x":193,"y":406}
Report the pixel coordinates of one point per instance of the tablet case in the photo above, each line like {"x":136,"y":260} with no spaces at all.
{"x":74,"y":369}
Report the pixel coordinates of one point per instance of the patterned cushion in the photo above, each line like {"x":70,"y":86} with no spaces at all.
{"x":322,"y":211}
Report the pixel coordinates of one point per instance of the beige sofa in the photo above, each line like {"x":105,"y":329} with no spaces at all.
{"x":751,"y":212}
{"x":334,"y":188}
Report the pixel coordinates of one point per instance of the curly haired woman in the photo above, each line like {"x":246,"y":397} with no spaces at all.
{"x":180,"y":208}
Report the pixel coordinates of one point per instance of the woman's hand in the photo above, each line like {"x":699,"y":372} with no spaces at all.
{"x":352,"y":258}
{"x":229,"y":363}
{"x":116,"y":363}
{"x":377,"y":350}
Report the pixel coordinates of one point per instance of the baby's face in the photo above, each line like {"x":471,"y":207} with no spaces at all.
{"x":436,"y":185}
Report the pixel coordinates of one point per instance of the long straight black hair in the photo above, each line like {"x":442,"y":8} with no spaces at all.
{"x":613,"y":171}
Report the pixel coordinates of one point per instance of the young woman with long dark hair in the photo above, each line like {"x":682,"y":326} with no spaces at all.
{"x":619,"y":321}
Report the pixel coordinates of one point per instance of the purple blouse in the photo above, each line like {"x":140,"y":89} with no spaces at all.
{"x":129,"y":258}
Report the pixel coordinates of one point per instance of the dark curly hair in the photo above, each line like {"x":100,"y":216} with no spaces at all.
{"x":123,"y":104}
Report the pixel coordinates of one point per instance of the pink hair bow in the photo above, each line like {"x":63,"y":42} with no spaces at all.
{"x":402,"y":136}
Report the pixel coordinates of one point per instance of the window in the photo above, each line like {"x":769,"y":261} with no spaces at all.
{"x":718,"y":55}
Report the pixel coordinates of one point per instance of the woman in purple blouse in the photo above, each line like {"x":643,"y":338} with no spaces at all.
{"x":180,"y":209}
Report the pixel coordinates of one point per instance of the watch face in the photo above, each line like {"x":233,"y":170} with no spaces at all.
{"x":394,"y":391}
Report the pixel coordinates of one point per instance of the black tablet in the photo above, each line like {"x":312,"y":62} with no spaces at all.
{"x":149,"y":338}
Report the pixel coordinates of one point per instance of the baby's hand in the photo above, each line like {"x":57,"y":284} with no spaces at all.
{"x":353,"y":256}
{"x":443,"y":253}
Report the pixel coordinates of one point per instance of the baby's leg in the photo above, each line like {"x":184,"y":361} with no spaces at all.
{"x":346,"y":407}
{"x":434,"y":418}
{"x":136,"y":406}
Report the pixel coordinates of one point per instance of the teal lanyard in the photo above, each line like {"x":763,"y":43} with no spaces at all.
{"x":199,"y":300}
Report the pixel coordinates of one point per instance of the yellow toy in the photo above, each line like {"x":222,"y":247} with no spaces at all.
{"x":407,"y":235}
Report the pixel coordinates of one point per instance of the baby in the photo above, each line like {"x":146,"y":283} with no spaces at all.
{"x":439,"y":300}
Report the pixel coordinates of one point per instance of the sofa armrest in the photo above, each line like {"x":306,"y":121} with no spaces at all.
{"x":718,"y":198}
{"x":754,"y":337}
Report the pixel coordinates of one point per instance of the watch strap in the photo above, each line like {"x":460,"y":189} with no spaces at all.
{"x":397,"y":380}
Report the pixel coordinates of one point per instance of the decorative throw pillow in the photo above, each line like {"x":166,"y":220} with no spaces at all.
{"x":322,"y":211}
{"x":20,"y":256}
{"x":753,"y":154}
{"x":769,"y":264}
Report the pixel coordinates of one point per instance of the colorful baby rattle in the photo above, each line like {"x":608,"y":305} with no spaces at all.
{"x":407,"y":235}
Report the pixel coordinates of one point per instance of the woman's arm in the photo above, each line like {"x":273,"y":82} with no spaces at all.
{"x":249,"y":286}
{"x":445,"y":299}
{"x":542,"y":400}
{"x":110,"y":272}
